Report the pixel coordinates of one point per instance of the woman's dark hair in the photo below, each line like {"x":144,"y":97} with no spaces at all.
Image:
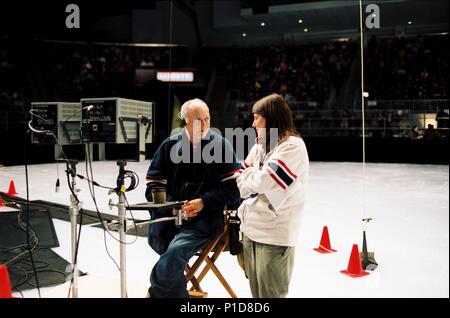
{"x":278,"y":114}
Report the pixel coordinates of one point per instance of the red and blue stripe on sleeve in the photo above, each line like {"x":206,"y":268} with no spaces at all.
{"x":280,"y":173}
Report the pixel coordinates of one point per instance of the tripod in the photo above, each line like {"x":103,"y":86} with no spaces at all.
{"x":122,"y":227}
{"x":75,"y":206}
{"x":122,"y":207}
{"x":120,"y":190}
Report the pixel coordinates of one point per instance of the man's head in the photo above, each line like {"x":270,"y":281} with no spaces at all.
{"x":195,"y":113}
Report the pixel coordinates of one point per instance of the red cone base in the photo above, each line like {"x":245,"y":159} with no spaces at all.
{"x":2,"y":203}
{"x":325,"y":245}
{"x":354,"y":268}
{"x":5,"y":284}
{"x":12,"y":189}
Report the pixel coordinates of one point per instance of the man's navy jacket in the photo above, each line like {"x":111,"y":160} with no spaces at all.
{"x":214,"y":182}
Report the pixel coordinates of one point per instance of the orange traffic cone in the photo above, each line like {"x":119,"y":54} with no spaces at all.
{"x":12,"y":188}
{"x":325,"y":245}
{"x":5,"y":284}
{"x":354,"y":268}
{"x":1,"y":202}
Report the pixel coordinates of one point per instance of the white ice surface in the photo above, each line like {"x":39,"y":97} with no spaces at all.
{"x":409,"y":233}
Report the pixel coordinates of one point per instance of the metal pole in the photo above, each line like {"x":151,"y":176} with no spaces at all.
{"x":122,"y":228}
{"x":141,"y":140}
{"x":101,"y":151}
{"x":58,"y":152}
{"x":74,"y":211}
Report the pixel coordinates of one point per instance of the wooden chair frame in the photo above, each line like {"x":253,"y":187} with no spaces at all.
{"x":216,"y":246}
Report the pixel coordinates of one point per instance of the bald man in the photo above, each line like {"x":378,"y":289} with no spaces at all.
{"x":204,"y":186}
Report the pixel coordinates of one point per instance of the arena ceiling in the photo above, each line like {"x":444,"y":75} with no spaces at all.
{"x":339,"y":17}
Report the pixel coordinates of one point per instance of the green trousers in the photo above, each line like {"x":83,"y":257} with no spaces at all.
{"x":268,"y":268}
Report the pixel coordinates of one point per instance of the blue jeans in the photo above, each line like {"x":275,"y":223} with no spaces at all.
{"x":167,"y":278}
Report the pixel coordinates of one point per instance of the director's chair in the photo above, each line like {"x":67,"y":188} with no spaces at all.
{"x":216,"y":246}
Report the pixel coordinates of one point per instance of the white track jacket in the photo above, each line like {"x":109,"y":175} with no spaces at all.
{"x":273,"y":186}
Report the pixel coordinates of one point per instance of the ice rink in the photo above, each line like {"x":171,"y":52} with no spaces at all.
{"x":409,"y":232}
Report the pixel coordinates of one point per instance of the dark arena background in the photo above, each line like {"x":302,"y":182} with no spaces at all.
{"x":231,"y":53}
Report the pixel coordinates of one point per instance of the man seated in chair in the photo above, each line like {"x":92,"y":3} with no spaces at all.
{"x":182,"y":164}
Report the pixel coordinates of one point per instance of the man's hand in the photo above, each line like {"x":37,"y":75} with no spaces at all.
{"x":193,"y":207}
